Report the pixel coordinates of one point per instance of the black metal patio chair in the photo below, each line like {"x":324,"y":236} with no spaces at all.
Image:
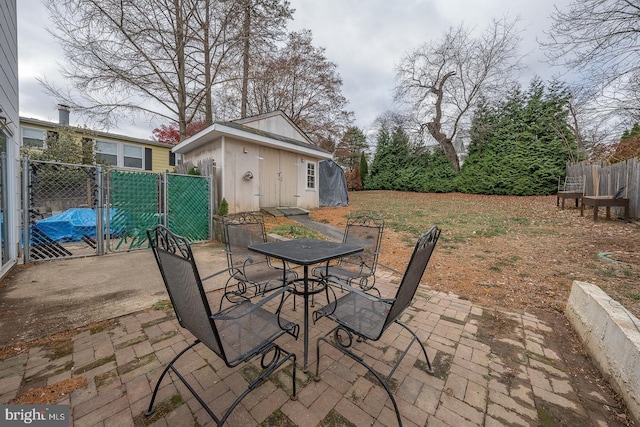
{"x":236,"y":334}
{"x":358,"y":269}
{"x":368,"y":317}
{"x":251,"y":273}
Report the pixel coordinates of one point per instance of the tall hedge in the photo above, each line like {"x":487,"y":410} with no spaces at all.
{"x":399,"y":166}
{"x":520,"y":146}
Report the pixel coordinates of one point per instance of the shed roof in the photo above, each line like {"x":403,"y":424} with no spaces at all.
{"x":249,"y":134}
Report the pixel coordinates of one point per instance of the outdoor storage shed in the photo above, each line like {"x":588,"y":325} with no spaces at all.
{"x":333,"y":184}
{"x":260,"y":162}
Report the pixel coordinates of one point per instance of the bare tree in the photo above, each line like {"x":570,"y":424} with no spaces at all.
{"x":299,"y":80}
{"x":161,"y":58}
{"x":263,"y":23}
{"x":441,"y":81}
{"x":119,"y":53}
{"x":216,"y":20}
{"x":600,"y":39}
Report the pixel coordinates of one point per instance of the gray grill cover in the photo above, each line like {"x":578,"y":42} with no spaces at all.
{"x":333,"y":185}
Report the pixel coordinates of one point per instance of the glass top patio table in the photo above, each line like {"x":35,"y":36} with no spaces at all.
{"x":306,"y":252}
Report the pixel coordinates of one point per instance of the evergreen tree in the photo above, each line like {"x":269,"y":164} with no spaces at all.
{"x":364,"y":168}
{"x":521,"y":146}
{"x":348,"y":150}
{"x":391,"y":155}
{"x":628,"y":134}
{"x":400,"y":165}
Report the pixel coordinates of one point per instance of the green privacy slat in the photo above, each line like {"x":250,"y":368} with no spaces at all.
{"x":134,"y":207}
{"x":188,"y":202}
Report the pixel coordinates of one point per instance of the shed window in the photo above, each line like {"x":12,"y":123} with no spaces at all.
{"x":311,"y":175}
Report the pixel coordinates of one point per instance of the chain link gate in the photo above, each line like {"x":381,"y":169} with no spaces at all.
{"x":141,"y":200}
{"x":59,"y":210}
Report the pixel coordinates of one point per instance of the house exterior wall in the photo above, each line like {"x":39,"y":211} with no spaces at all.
{"x":10,"y":135}
{"x":159,"y":152}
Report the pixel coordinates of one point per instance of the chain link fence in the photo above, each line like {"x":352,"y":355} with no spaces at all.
{"x":79,"y":210}
{"x":57,"y":200}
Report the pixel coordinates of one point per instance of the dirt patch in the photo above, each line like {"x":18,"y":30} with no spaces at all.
{"x":50,"y":394}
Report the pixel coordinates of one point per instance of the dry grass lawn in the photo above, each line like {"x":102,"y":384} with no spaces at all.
{"x":518,"y":253}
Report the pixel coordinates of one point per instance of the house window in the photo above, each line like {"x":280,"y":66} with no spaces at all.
{"x":311,"y":175}
{"x":122,"y":155}
{"x":107,"y":152}
{"x":175,"y":159}
{"x":133,"y":156}
{"x":33,"y":137}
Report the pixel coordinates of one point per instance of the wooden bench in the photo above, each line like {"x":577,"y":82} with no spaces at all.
{"x":607,"y":201}
{"x":568,"y":195}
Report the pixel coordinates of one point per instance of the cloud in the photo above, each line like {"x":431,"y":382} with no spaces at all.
{"x":365,"y":38}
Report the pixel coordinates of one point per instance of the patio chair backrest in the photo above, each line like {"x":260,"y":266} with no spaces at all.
{"x":184,"y":286}
{"x":573,"y":183}
{"x":365,"y":231}
{"x":413,"y":274}
{"x":241,"y":230}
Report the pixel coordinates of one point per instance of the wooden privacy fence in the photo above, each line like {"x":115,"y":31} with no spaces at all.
{"x":602,"y":179}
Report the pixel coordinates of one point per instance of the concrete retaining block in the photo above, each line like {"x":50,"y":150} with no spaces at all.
{"x":610,"y":334}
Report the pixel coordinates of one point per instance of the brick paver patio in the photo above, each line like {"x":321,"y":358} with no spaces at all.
{"x":513,"y":378}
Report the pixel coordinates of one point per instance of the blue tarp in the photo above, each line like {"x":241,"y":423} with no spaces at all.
{"x":71,"y":225}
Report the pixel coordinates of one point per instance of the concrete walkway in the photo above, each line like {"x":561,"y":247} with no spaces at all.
{"x":44,"y":298}
{"x":492,"y":368}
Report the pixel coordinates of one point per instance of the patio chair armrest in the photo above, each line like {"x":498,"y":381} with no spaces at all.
{"x":217,"y":273}
{"x":335,"y":281}
{"x":234,"y":312}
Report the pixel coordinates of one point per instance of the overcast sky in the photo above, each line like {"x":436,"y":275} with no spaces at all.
{"x":365,"y":38}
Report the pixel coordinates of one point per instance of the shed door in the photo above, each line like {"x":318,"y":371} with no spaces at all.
{"x":278,"y":178}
